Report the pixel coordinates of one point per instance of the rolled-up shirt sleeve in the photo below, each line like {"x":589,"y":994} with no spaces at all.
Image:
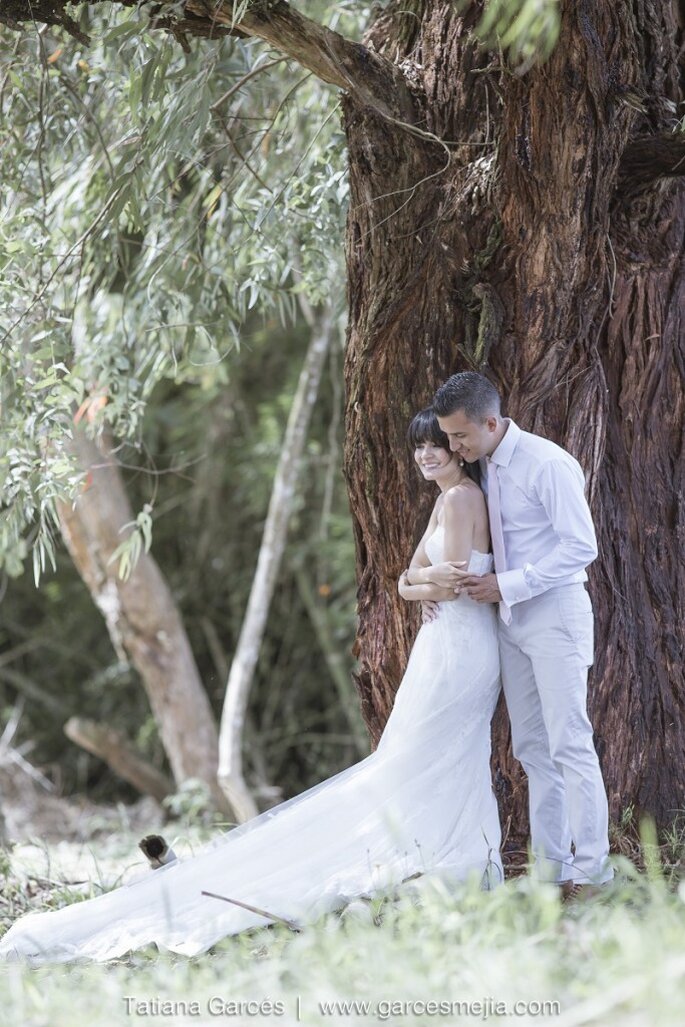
{"x":560,"y":488}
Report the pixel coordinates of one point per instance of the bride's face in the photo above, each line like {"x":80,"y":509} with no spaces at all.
{"x":434,"y":461}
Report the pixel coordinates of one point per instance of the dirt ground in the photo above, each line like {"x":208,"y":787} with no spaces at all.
{"x":32,"y":812}
{"x":57,"y":840}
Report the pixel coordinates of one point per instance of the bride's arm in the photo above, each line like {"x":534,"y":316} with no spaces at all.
{"x":420,"y":565}
{"x":426,"y":581}
{"x":418,"y":592}
{"x":421,"y":572}
{"x":419,"y":561}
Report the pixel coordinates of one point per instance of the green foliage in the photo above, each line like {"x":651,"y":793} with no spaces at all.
{"x":137,"y":541}
{"x":152,"y":199}
{"x":527,"y":30}
{"x":150,"y":203}
{"x":191,"y":804}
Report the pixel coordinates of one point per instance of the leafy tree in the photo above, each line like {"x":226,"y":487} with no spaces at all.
{"x":138,"y":235}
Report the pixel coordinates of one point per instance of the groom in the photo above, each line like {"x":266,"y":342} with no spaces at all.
{"x":543,"y":539}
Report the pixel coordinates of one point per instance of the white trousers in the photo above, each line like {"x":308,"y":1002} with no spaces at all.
{"x":545,"y":653}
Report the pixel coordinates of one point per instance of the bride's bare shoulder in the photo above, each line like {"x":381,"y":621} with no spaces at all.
{"x":464,"y":496}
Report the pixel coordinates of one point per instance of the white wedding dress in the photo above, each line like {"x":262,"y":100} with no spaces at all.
{"x":422,"y":802}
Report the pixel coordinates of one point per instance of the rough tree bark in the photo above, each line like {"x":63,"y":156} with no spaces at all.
{"x":549,"y":252}
{"x":142,"y":618}
{"x":531,"y":227}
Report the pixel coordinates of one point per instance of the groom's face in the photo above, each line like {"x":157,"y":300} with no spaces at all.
{"x":471,"y":440}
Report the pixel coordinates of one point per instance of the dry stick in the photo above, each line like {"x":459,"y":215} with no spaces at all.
{"x":26,"y":685}
{"x":241,"y":155}
{"x":230,"y":773}
{"x":255,"y":909}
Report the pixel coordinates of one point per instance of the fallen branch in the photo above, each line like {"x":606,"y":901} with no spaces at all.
{"x":111,"y":746}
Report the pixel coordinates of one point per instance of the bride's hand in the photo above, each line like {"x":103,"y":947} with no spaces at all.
{"x":447,"y":574}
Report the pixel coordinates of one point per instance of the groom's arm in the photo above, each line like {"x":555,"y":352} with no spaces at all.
{"x":560,"y":488}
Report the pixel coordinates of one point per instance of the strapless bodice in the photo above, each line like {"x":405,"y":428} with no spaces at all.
{"x":480,"y":563}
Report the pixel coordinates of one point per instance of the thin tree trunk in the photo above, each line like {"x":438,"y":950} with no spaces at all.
{"x":142,"y":618}
{"x":270,"y":554}
{"x":264,"y":791}
{"x":335,"y":662}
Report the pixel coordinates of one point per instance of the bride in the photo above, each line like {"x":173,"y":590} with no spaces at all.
{"x":422,"y":803}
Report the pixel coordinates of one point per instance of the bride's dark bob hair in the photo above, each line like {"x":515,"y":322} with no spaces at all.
{"x":424,"y":427}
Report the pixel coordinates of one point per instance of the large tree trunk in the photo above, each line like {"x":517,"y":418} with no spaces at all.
{"x":545,"y":255}
{"x":142,"y":618}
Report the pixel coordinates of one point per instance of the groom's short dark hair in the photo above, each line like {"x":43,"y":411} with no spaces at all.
{"x":470,"y":392}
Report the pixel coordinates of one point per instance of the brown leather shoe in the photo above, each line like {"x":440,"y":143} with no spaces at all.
{"x":572,"y":891}
{"x":569,"y":890}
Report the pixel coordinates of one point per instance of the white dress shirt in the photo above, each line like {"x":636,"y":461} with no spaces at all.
{"x":549,"y":537}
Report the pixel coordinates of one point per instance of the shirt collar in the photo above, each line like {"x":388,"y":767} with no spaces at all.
{"x":504,"y":452}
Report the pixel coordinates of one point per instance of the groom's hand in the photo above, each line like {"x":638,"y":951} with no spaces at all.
{"x":429,"y":610}
{"x":482,"y":588}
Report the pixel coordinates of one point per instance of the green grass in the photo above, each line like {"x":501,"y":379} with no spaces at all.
{"x":616,"y":959}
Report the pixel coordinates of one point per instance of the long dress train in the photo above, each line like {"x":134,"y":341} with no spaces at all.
{"x":422,"y":802}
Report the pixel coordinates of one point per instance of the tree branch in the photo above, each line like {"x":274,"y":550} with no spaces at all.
{"x":650,"y":157}
{"x":116,"y":750}
{"x":370,"y":78}
{"x":373,"y":79}
{"x":46,"y":12}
